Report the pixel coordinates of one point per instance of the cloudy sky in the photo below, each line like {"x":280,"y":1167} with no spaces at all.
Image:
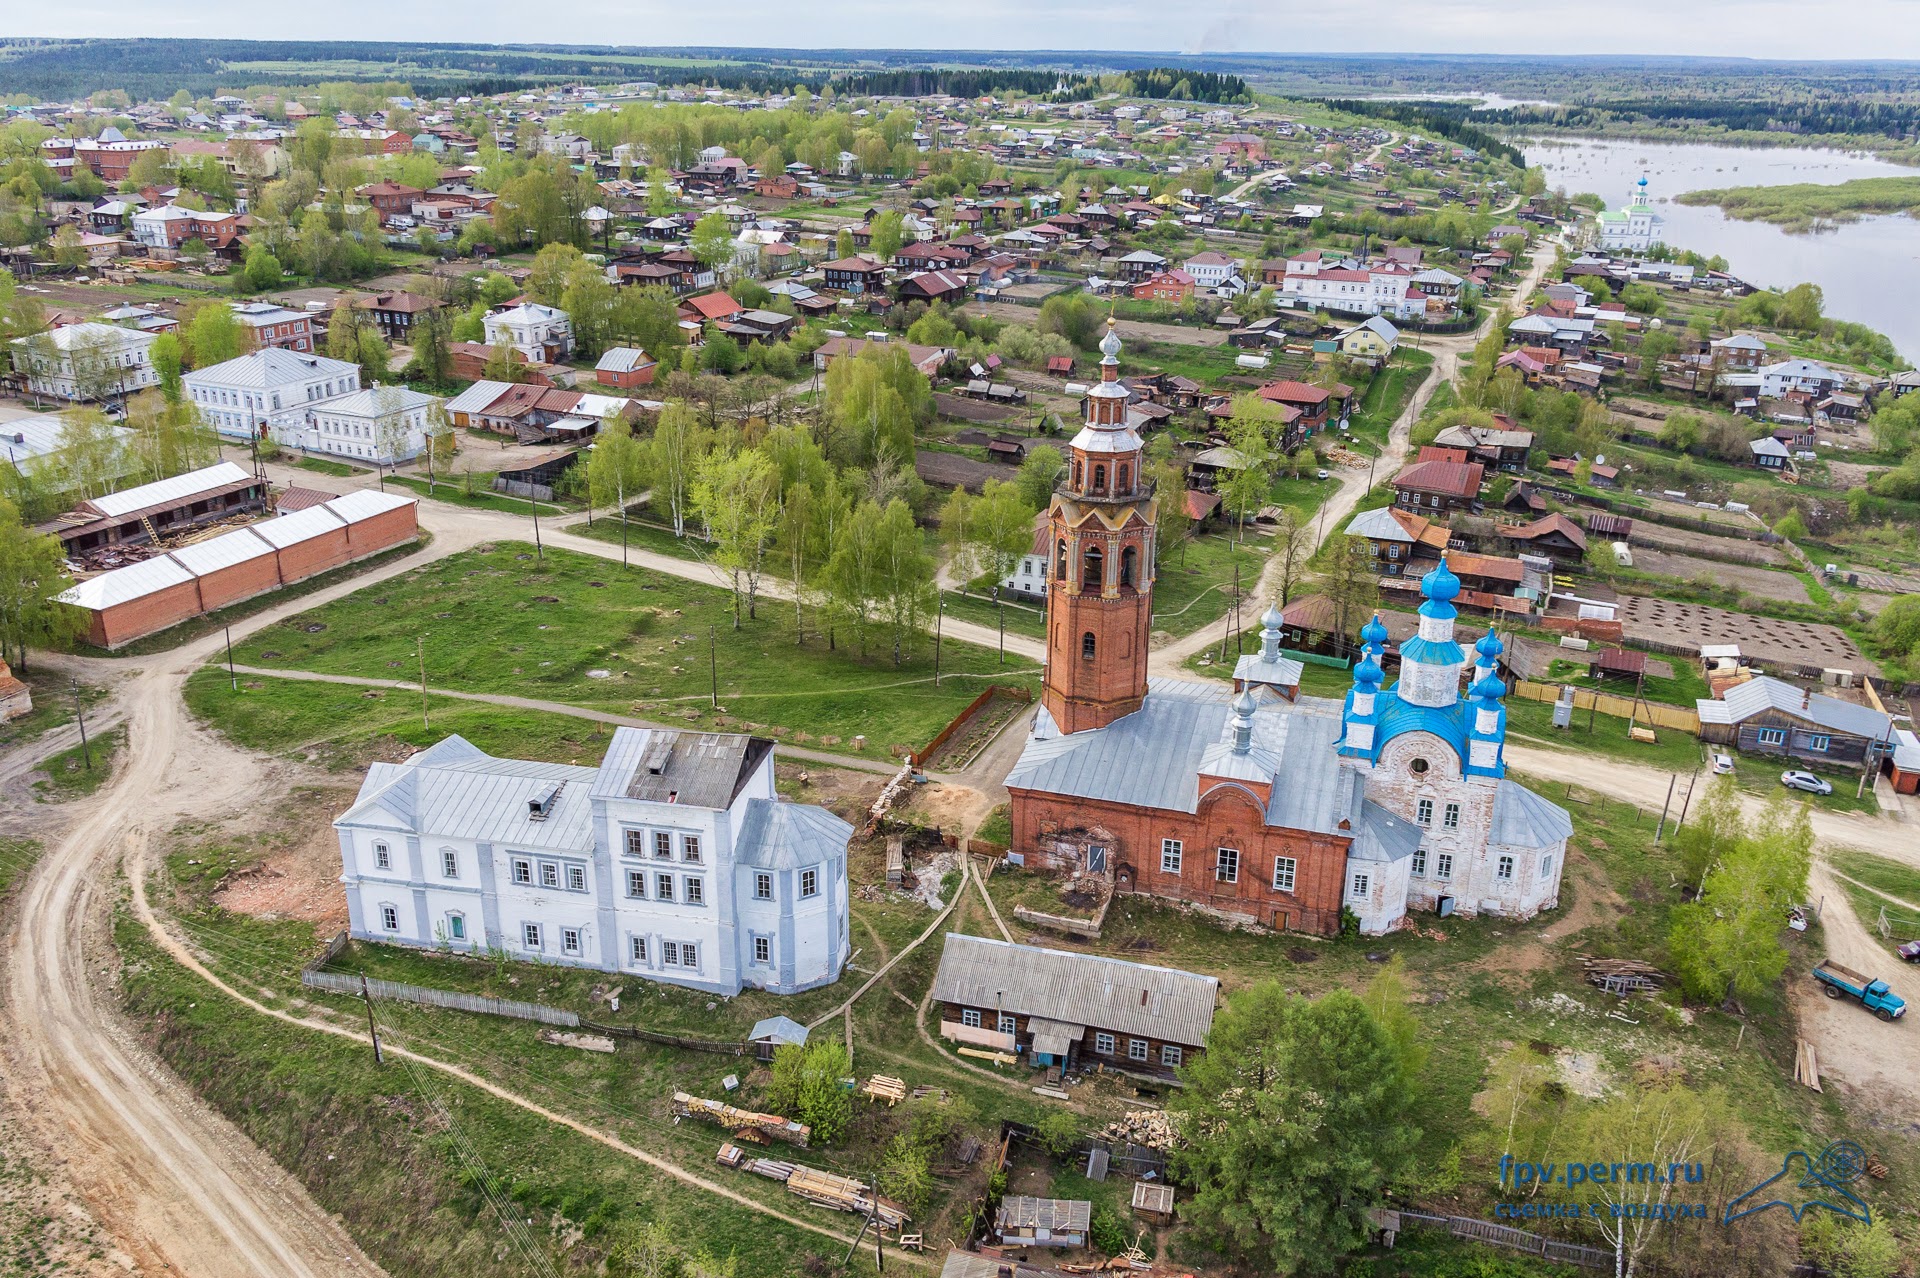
{"x":1752,"y":28}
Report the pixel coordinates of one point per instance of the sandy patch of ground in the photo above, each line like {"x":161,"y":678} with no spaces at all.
{"x":1763,"y":582}
{"x":300,"y":878}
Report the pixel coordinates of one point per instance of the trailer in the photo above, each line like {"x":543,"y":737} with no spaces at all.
{"x":1872,"y":993}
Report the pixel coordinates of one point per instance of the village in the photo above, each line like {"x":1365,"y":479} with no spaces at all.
{"x":812,"y":681}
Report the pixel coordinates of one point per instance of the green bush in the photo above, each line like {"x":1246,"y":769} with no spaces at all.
{"x":1108,"y":1230}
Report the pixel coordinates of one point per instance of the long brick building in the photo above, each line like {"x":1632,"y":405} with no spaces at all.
{"x":1250,"y":800}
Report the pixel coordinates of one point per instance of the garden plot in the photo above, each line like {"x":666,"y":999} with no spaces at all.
{"x":1765,"y":639}
{"x":1763,"y":582}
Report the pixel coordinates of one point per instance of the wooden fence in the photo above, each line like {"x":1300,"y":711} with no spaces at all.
{"x":919,"y":757}
{"x":1518,"y":1239}
{"x":716,"y":1046}
{"x":347,"y":983}
{"x":1609,"y":703}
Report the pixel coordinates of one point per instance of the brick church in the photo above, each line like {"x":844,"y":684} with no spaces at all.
{"x":1250,"y":800}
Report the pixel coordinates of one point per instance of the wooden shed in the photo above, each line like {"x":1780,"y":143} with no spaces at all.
{"x":1043,"y":1222}
{"x":1153,"y":1202}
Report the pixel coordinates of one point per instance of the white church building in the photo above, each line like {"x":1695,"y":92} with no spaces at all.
{"x":674,"y":860}
{"x":1635,"y":228}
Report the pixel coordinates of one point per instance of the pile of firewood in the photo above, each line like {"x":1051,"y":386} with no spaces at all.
{"x":1152,"y":1128}
{"x":1622,"y":975}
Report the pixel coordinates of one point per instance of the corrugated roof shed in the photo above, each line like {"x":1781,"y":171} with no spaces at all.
{"x":123,"y":585}
{"x":165,"y":492}
{"x":302,"y":525}
{"x":224,"y":551}
{"x":1088,"y":989}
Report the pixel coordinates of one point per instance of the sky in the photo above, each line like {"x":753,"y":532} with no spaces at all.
{"x":1748,"y":28}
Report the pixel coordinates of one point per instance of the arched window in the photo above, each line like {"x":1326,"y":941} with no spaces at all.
{"x":1128,"y":558}
{"x":1076,"y":472}
{"x":1060,"y":561}
{"x":1093,"y":575}
{"x":1120,"y":484}
{"x":1099,"y":479}
{"x":1086,"y":646}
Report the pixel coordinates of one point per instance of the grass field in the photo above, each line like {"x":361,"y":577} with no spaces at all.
{"x":576,"y":629}
{"x":76,"y":773}
{"x":454,"y":493}
{"x":1195,"y":580}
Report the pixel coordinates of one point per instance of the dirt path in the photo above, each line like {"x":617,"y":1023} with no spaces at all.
{"x":825,"y":757}
{"x":1871,"y":1062}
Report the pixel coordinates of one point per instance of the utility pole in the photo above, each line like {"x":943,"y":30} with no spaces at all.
{"x":420,"y":652}
{"x":373,"y":1031}
{"x":232,"y":678}
{"x":713,"y":663}
{"x":79,"y":717}
{"x":1685,"y":803}
{"x":1673,"y":779}
{"x":939,"y":624}
{"x":1000,"y":607}
{"x":533,"y":504}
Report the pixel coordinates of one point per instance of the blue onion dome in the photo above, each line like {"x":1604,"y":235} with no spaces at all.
{"x":1368,"y":672}
{"x":1440,"y":585}
{"x":1489,"y":646}
{"x":1110,"y":344}
{"x":1643,"y":179}
{"x":1374,"y":633}
{"x":1489,"y":687}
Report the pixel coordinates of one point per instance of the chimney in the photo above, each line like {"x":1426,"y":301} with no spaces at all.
{"x":1806,"y":698}
{"x":1143,"y":998}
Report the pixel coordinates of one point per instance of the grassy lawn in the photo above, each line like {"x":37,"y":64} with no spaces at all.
{"x":1531,"y":722}
{"x":1686,"y":685}
{"x":1890,"y":877}
{"x":321,"y":466}
{"x":53,"y":694}
{"x":641,"y":535}
{"x":1387,"y":396}
{"x":1022,"y":618}
{"x":207,"y":623}
{"x":454,"y":493}
{"x":580,"y":630}
{"x":1195,"y":581}
{"x":1762,"y":777}
{"x":69,"y":774}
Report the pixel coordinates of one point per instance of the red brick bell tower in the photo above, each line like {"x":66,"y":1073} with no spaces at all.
{"x":1100,"y":597}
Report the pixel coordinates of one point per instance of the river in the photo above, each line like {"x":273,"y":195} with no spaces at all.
{"x":1869,"y":269}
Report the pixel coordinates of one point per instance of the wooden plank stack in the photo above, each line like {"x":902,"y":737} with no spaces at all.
{"x":1622,"y":976}
{"x":744,"y":1123}
{"x":843,"y":1193}
{"x":1806,"y":1065}
{"x":884,"y":1088}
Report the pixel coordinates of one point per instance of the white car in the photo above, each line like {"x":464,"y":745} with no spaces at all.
{"x":1722,"y":764}
{"x":1805,"y":781}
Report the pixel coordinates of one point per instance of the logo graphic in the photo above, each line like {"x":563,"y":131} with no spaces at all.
{"x":1839,"y":1165}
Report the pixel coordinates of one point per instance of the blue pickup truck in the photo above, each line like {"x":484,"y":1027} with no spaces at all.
{"x":1844,"y":982}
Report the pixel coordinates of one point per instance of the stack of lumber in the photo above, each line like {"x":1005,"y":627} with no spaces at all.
{"x":843,"y":1193}
{"x":771,"y":1168}
{"x":1149,"y":1127}
{"x":978,"y":1053}
{"x":1806,"y":1065}
{"x":742,"y":1121}
{"x":883,"y":1088}
{"x":1622,"y":976}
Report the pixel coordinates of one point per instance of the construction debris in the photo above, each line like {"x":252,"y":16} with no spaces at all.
{"x":585,"y":1042}
{"x":842,"y":1193}
{"x":743,"y":1123}
{"x":1806,"y":1065}
{"x":1152,"y":1128}
{"x":1622,"y":976}
{"x":882,"y":1088}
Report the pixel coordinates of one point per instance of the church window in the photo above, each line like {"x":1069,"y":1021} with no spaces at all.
{"x":1418,"y":767}
{"x":1283,"y":870}
{"x":1226,"y":868}
{"x":1546,"y":866}
{"x":1505,"y":869}
{"x":1170,"y":852}
{"x":1076,"y":472}
{"x":1128,"y":558}
{"x":1061,"y":569}
{"x":1443,"y":866}
{"x":1099,"y":479}
{"x":1451,"y":819}
{"x":1420,"y":863}
{"x":1360,"y":884}
{"x":1121,"y":476}
{"x":1087,"y":645}
{"x":1423,"y":812}
{"x":1093,"y":573}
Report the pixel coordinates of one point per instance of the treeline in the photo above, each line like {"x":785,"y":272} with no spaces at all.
{"x":1444,"y":119}
{"x":1812,"y":116}
{"x":1173,"y":83}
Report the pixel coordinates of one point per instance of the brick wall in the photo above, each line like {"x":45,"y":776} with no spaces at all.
{"x":315,"y":555}
{"x":123,"y":623}
{"x":239,"y":581}
{"x":1052,"y":833}
{"x":370,"y":536}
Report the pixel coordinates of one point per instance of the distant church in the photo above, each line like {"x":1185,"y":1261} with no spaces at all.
{"x":1250,"y":800}
{"x":1635,"y":228}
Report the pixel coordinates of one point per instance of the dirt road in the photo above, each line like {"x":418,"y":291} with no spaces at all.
{"x":1171,"y":659}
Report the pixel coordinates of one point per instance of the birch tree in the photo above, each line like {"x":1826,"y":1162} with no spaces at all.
{"x":1646,"y":1134}
{"x":32,"y":573}
{"x":738,"y":495}
{"x":616,"y":470}
{"x":673,"y":454}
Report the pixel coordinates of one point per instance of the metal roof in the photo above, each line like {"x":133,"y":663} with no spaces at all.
{"x":1522,"y":819}
{"x":780,"y":1029}
{"x":167,"y":492}
{"x":301,"y":525}
{"x":1109,"y":993}
{"x":365,"y":503}
{"x":224,"y":551}
{"x":269,"y":368}
{"x":788,"y":836}
{"x":123,"y":585}
{"x":478,"y":397}
{"x":1382,"y":836}
{"x":666,"y":765}
{"x":1763,"y":692}
{"x":453,"y":789}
